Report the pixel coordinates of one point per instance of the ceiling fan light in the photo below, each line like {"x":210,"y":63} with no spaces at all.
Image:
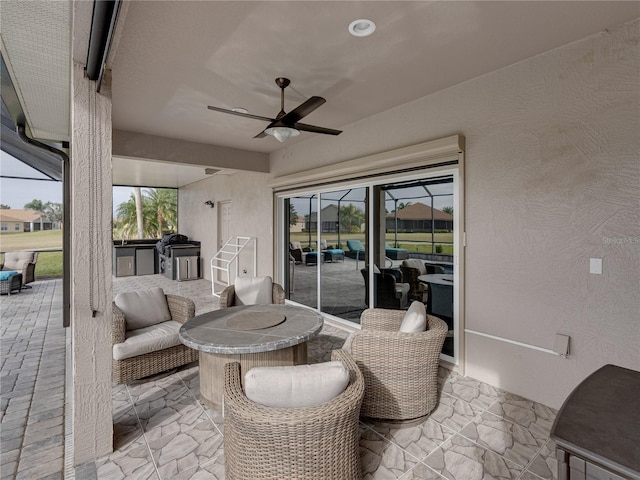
{"x":282,"y":134}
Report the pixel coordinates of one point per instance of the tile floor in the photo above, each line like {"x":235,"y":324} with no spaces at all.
{"x":161,"y":431}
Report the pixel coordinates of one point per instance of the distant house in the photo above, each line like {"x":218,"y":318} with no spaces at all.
{"x":419,"y":217}
{"x":15,"y":220}
{"x":328,"y":218}
{"x":298,"y":226}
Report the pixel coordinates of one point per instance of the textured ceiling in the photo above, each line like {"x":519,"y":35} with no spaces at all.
{"x":35,"y":46}
{"x":175,"y":58}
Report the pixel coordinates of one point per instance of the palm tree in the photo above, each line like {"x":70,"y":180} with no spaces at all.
{"x":126,"y":224}
{"x":39,"y":207}
{"x":402,"y":205}
{"x":137,"y":195}
{"x":162,"y":207}
{"x":448,"y":210}
{"x":351,"y":218}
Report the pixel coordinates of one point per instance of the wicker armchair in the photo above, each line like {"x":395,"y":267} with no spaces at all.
{"x":400,"y":369}
{"x":21,"y":262}
{"x":228,"y":296}
{"x":309,"y":443}
{"x":134,"y":368}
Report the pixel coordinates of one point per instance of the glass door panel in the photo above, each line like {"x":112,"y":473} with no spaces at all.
{"x":342,"y":241}
{"x":419,"y":228}
{"x":303,"y":255}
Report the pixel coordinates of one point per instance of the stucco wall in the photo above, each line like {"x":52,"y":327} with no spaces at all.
{"x":252,"y":216}
{"x":552,"y":179}
{"x":91,"y":290}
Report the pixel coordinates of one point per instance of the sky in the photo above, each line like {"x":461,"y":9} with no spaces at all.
{"x":17,"y":193}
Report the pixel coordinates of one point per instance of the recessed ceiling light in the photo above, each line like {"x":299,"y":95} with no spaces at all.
{"x":362,"y":28}
{"x":240,"y":110}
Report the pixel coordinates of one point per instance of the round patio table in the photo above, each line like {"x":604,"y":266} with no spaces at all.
{"x":254,"y":335}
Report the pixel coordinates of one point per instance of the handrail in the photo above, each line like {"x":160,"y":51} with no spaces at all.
{"x":220,"y":263}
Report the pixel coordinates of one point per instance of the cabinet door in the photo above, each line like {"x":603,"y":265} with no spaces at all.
{"x":125,"y":266}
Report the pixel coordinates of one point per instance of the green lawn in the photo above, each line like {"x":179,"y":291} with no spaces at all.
{"x":49,"y":239}
{"x":414,"y":242}
{"x":49,"y":264}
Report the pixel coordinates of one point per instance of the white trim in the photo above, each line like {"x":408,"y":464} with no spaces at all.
{"x":512,"y":342}
{"x":413,"y":156}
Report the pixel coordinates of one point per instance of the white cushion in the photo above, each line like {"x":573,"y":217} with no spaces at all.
{"x":376,"y":269}
{"x":415,"y":263}
{"x":144,"y":308}
{"x":296,"y":245}
{"x":297,"y":386}
{"x":254,"y":291}
{"x":415,"y":320}
{"x":148,"y":339}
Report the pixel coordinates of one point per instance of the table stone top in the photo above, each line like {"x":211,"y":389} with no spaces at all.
{"x":210,"y":332}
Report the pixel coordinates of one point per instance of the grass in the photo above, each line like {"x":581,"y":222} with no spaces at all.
{"x":49,"y":264}
{"x":48,"y":239}
{"x":414,"y":242}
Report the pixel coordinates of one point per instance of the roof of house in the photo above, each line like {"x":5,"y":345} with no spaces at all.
{"x":420,"y":211}
{"x":19,"y":215}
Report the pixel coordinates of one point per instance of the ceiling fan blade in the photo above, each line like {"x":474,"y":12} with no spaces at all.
{"x":312,"y":128}
{"x":302,"y":110}
{"x":261,"y":135}
{"x":240,"y":114}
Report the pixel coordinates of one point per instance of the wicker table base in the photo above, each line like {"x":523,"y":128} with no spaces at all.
{"x":12,"y":283}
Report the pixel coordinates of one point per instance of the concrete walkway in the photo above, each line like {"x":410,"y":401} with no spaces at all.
{"x":33,"y":383}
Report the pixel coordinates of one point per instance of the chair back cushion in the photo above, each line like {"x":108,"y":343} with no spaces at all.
{"x":415,"y":320}
{"x":415,"y":263}
{"x":15,"y":260}
{"x":296,"y":386}
{"x":144,"y":308}
{"x":253,"y":290}
{"x":355,"y":245}
{"x":295,"y":245}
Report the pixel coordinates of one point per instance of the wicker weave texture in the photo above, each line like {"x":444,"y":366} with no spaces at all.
{"x":228,"y":296}
{"x":134,"y":368}
{"x":12,"y":283}
{"x":311,"y":443}
{"x":400,"y":369}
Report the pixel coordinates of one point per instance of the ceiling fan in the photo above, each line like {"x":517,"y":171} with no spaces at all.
{"x":286,"y":125}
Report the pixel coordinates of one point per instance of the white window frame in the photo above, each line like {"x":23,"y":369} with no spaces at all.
{"x":429,"y":159}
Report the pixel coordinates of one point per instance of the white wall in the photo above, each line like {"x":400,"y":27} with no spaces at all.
{"x":252,"y":215}
{"x":552,"y":179}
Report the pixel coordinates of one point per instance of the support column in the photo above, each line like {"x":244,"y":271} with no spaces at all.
{"x":91,"y":287}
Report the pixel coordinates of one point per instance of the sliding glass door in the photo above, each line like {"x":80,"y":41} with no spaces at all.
{"x":353,"y":247}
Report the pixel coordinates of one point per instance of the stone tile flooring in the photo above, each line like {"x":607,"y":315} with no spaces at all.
{"x":162,"y":431}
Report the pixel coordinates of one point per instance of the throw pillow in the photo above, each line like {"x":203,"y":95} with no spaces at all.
{"x":296,"y":386}
{"x":415,"y":320}
{"x":144,"y":308}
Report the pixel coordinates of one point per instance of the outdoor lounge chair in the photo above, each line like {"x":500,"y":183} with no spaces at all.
{"x":21,"y":262}
{"x":355,"y":249}
{"x":400,"y":369}
{"x":304,"y":443}
{"x":251,"y":291}
{"x":145,"y":339}
{"x":395,"y":253}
